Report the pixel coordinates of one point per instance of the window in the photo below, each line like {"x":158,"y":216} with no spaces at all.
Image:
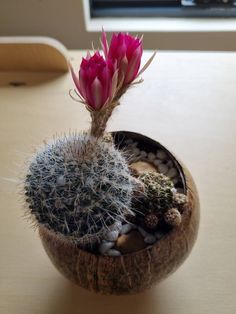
{"x":167,"y":8}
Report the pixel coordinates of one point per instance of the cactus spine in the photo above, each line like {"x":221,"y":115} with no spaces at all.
{"x":79,"y":186}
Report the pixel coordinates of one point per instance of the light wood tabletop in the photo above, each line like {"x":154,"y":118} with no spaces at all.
{"x":187,"y":102}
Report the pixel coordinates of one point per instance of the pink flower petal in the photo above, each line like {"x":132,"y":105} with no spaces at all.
{"x":88,"y":56}
{"x":97,"y":94}
{"x":76,"y":81}
{"x":113,"y":87}
{"x":123,"y":68}
{"x":133,"y":66}
{"x":104,"y":43}
{"x":82,"y":81}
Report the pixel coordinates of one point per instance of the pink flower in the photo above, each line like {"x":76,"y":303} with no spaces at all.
{"x":96,"y":82}
{"x":125,"y":51}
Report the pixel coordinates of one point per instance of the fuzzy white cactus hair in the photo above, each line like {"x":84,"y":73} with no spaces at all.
{"x":78,"y":186}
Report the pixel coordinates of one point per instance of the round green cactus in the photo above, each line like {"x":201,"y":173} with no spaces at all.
{"x":158,"y":188}
{"x":79,"y":186}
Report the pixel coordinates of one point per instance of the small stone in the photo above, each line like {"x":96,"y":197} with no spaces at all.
{"x":61,"y":181}
{"x":161,"y":155}
{"x":175,"y":180}
{"x":173,"y":190}
{"x":131,"y":242}
{"x":113,"y":252}
{"x":163,"y":168}
{"x":128,"y":141}
{"x":173,"y":217}
{"x":143,"y":166}
{"x":105,"y":246}
{"x":142,"y":232}
{"x":143,"y":154}
{"x":117,"y":226}
{"x":150,"y":239}
{"x":134,"y":226}
{"x":170,"y":163}
{"x":157,"y":162}
{"x":151,"y":157}
{"x":159,"y":235}
{"x":172,"y":173}
{"x":136,"y":151}
{"x":134,"y":145}
{"x":112,"y":235}
{"x":126,"y":228}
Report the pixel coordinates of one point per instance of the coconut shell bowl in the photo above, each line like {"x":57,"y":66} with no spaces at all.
{"x":137,"y":271}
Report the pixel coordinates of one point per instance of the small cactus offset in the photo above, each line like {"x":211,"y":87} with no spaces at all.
{"x":179,"y":198}
{"x":158,"y":188}
{"x":79,"y":186}
{"x":160,"y":204}
{"x":151,"y":220}
{"x":173,"y":217}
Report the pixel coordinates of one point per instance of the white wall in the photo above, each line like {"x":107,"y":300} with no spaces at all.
{"x":64,"y":20}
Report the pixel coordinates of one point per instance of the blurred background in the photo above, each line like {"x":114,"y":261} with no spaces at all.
{"x":170,"y":24}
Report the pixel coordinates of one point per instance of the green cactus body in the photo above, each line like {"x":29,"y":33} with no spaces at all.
{"x":160,"y":207}
{"x":79,"y":186}
{"x":158,"y":189}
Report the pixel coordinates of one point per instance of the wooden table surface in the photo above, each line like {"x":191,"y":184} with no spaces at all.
{"x":188,"y":103}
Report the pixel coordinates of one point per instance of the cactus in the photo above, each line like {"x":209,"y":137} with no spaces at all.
{"x":179,"y":198}
{"x":151,"y":221}
{"x":160,"y":204}
{"x":158,"y":190}
{"x":78,"y":186}
{"x":173,"y":217}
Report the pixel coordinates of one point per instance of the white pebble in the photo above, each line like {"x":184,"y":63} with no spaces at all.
{"x":117,"y":226}
{"x":163,"y":168}
{"x":170,"y":163}
{"x":136,"y":151}
{"x":105,"y":246}
{"x":172,"y":173}
{"x":113,"y":252}
{"x":142,"y":231}
{"x":128,"y":141}
{"x":161,"y":155}
{"x":126,"y":228}
{"x":61,"y":181}
{"x":175,"y":180}
{"x":150,"y":239}
{"x":151,"y":156}
{"x":112,"y":235}
{"x":134,"y":145}
{"x":159,"y":235}
{"x":133,"y":226}
{"x":173,"y":190}
{"x":157,"y":162}
{"x":143,"y":154}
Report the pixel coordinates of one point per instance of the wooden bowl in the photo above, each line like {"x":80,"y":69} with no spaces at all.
{"x":135,"y":272}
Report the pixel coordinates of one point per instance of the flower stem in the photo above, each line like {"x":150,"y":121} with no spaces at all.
{"x":99,"y":120}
